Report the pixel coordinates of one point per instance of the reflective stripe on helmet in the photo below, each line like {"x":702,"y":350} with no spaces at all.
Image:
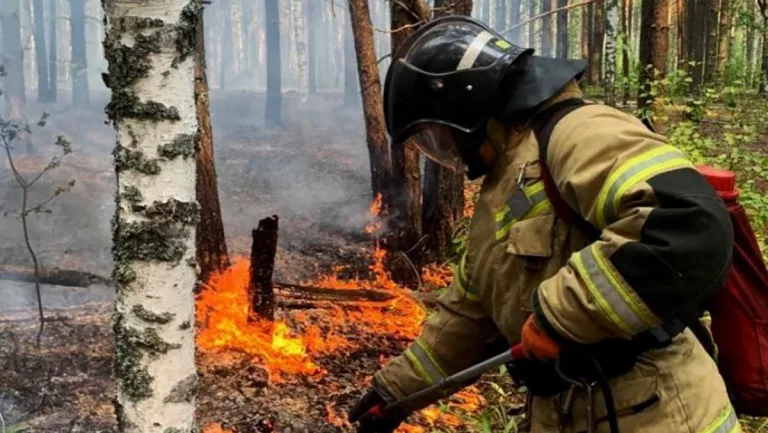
{"x":614,"y":297}
{"x":474,"y":50}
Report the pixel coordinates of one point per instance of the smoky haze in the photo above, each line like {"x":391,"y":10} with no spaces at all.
{"x":312,"y":170}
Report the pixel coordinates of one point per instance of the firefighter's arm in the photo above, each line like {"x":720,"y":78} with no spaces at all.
{"x":666,"y":237}
{"x":454,"y":338}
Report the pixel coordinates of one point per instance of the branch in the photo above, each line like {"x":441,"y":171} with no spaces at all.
{"x":553,"y":11}
{"x":400,"y":29}
{"x":421,"y":13}
{"x":384,"y":57}
{"x":52,"y":276}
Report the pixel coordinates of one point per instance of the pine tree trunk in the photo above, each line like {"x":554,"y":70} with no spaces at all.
{"x":486,"y":12}
{"x":373,"y":105}
{"x":750,"y":45}
{"x":311,"y":8}
{"x":210,"y":242}
{"x":501,"y":15}
{"x":300,"y":34}
{"x":153,"y":111}
{"x":710,"y":63}
{"x":654,"y":32}
{"x":514,"y":19}
{"x":13,"y":59}
{"x":225,"y":67}
{"x":682,"y":35}
{"x":598,"y":43}
{"x":442,"y":206}
{"x":351,"y":96}
{"x":80,"y":93}
{"x":274,"y":116}
{"x":562,"y":30}
{"x":405,"y":220}
{"x":53,"y":57}
{"x":585,"y":33}
{"x":626,"y":12}
{"x":764,"y":67}
{"x":611,"y":31}
{"x":698,"y":42}
{"x":532,"y":25}
{"x":592,"y":66}
{"x":247,"y":39}
{"x":43,"y":86}
{"x":546,"y":29}
{"x":723,"y":43}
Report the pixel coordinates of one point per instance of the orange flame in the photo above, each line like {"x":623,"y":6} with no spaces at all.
{"x":222,"y":311}
{"x":334,"y":418}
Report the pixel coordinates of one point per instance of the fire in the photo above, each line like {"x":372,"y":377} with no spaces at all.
{"x":222,"y":311}
{"x":334,"y":418}
{"x":215,"y":428}
{"x":437,"y":275}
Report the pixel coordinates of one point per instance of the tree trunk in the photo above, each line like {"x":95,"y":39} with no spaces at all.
{"x":764,"y":67}
{"x":585,"y":33}
{"x":532,"y":25}
{"x":654,"y":29}
{"x":80,"y":93}
{"x":611,"y":31}
{"x":373,"y":105}
{"x":247,"y":40}
{"x":442,"y":208}
{"x":225,"y":67}
{"x":486,"y":11}
{"x":274,"y":108}
{"x":592,"y":67}
{"x":514,"y":19}
{"x":626,"y":12}
{"x":297,"y":16}
{"x":698,"y":41}
{"x":501,"y":15}
{"x":351,"y":95}
{"x":562,"y":30}
{"x":210,"y":242}
{"x":311,"y":8}
{"x":261,"y":294}
{"x":723,"y":43}
{"x":710,"y":64}
{"x":53,"y":43}
{"x":598,"y":42}
{"x":750,"y":44}
{"x":153,"y":111}
{"x":13,"y":59}
{"x":405,"y":219}
{"x":43,"y":82}
{"x":682,"y":35}
{"x":546,"y":29}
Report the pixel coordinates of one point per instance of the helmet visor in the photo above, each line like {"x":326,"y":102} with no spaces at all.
{"x":438,"y":142}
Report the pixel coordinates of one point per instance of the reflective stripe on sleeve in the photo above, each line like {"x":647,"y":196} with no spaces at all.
{"x":622,"y":306}
{"x":424,"y":363}
{"x":632,"y":172}
{"x":462,"y":280}
{"x":726,"y":422}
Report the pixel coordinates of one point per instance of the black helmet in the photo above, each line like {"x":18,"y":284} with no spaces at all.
{"x":443,"y":80}
{"x":454,"y":74}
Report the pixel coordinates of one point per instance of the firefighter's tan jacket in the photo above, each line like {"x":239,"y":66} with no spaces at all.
{"x":665,"y":239}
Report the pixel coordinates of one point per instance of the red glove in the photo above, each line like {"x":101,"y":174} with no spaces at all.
{"x":537,"y":343}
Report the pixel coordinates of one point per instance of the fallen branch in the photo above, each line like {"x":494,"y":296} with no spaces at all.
{"x":553,"y":11}
{"x":325,"y":294}
{"x":52,"y":276}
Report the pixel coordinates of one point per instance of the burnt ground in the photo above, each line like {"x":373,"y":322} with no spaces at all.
{"x":313,"y":173}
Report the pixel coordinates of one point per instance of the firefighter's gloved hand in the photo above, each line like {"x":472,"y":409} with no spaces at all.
{"x":371,"y":417}
{"x":537,"y":343}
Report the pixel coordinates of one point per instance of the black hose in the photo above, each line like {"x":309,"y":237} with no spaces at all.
{"x":610,"y":406}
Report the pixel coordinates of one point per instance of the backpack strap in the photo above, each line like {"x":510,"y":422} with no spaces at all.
{"x":543,"y":124}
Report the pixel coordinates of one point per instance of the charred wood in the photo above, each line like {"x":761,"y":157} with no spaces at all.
{"x":260,"y":291}
{"x":52,"y":276}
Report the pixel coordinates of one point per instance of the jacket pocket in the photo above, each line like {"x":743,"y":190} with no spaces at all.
{"x":529,"y":250}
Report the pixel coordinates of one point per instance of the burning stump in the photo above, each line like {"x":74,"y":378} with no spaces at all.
{"x":260,"y":291}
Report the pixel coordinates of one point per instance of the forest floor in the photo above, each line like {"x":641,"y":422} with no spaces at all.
{"x":313,"y":173}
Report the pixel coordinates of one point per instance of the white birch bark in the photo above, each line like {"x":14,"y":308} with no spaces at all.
{"x":149,"y":47}
{"x":302,"y":57}
{"x":611,"y":26}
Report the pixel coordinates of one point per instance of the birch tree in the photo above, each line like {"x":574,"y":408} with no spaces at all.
{"x":611,"y":25}
{"x":300,"y":34}
{"x":150,"y":49}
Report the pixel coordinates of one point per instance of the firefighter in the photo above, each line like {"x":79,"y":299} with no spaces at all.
{"x":601,"y":303}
